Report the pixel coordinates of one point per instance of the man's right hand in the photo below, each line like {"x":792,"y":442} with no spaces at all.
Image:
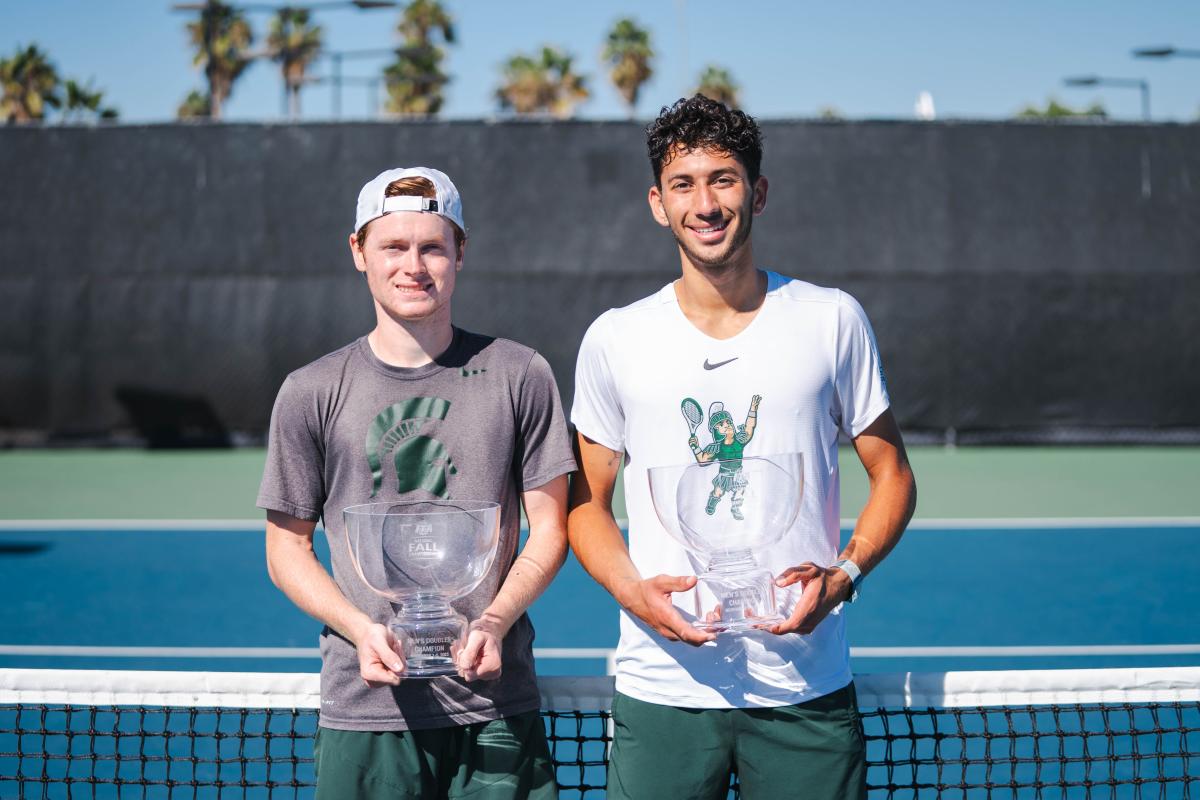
{"x":380,"y":656}
{"x":650,"y":601}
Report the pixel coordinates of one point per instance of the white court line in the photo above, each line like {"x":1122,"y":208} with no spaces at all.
{"x":965,"y":523}
{"x":88,"y":651}
{"x":1004,"y":651}
{"x":991,"y":523}
{"x":1027,"y":651}
{"x":932,"y":524}
{"x":166,"y":525}
{"x":75,"y":651}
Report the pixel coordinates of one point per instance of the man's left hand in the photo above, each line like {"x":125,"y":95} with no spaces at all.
{"x":822,"y":590}
{"x":479,"y":659}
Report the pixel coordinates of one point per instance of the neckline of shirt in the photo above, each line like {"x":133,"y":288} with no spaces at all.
{"x":774,"y":282}
{"x":412,"y":373}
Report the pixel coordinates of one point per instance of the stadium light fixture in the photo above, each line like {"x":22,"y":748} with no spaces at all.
{"x":1122,"y":83}
{"x":362,"y":5}
{"x":1166,"y":51}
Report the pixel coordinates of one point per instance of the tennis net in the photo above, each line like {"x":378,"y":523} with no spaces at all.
{"x":1051,"y":733}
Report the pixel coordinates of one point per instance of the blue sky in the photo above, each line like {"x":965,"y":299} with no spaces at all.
{"x":868,"y":59}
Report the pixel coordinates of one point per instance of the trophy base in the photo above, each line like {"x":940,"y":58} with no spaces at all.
{"x":736,"y":602}
{"x":739,"y":626}
{"x":430,"y":645}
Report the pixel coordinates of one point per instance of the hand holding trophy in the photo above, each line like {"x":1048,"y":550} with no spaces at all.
{"x":421,"y":556}
{"x":733,"y":593}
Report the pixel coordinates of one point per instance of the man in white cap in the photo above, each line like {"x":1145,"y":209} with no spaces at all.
{"x":419,"y":409}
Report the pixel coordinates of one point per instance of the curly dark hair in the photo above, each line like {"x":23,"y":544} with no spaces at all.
{"x":698,"y":122}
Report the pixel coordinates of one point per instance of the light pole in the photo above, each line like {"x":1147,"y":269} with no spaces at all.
{"x":373,"y":85}
{"x":337,"y":56}
{"x":318,"y":5}
{"x":1123,"y":83}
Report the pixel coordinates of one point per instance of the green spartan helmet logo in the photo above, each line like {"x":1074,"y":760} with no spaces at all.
{"x":421,"y":462}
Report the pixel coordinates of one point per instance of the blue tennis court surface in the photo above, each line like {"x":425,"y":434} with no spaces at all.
{"x":1086,"y":587}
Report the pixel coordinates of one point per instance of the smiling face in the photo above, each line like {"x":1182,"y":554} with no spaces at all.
{"x":411,"y":260}
{"x":706,"y":198}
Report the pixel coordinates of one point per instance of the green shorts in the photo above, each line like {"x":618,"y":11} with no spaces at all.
{"x":505,"y":758}
{"x":811,"y":750}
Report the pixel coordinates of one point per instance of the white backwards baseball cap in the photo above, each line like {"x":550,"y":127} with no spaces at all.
{"x":372,"y":204}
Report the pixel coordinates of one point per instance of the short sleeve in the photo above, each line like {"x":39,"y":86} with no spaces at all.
{"x":861,"y":388}
{"x":293,"y":479}
{"x":596,"y":411}
{"x":544,"y":447}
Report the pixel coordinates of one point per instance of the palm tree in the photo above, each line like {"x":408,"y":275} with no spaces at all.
{"x":717,"y":84}
{"x":415,"y":80}
{"x":85,"y":101}
{"x":1056,"y":110}
{"x":629,"y":53}
{"x":295,"y":43}
{"x":222,"y":38}
{"x":30,"y":83}
{"x":546,"y":84}
{"x":197,"y":105}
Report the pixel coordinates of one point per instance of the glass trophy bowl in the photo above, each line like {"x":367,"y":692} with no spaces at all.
{"x":723,"y":513}
{"x":420,"y":556}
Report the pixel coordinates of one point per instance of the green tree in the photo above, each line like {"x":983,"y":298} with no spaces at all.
{"x":629,"y":53}
{"x":1056,"y":110}
{"x":546,"y":83}
{"x":30,"y":85}
{"x":197,"y":105}
{"x":415,"y":80}
{"x":717,"y":84}
{"x":84,"y":102}
{"x":295,"y":43}
{"x":222,"y":38}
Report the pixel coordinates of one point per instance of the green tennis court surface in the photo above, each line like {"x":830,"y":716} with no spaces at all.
{"x":953,"y":483}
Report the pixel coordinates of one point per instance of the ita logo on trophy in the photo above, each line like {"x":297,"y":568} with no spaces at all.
{"x":421,"y":556}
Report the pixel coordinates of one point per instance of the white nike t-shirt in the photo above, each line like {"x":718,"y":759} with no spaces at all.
{"x":811,"y":356}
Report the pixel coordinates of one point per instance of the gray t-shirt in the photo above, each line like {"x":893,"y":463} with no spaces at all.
{"x":482,"y":422}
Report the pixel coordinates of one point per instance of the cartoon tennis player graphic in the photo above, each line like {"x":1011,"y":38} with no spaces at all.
{"x":728,"y":444}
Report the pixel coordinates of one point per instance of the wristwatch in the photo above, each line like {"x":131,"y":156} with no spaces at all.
{"x":856,"y":578}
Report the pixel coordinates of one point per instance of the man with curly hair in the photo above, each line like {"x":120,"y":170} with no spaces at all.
{"x":775,"y":707}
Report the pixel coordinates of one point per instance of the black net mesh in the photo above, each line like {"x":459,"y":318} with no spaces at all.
{"x":1119,"y":750}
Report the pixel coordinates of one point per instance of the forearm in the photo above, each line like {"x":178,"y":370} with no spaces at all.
{"x":592,"y":528}
{"x":539,"y":560}
{"x":536,"y":565}
{"x":598,"y":544}
{"x":881,"y":523}
{"x":294,"y":568}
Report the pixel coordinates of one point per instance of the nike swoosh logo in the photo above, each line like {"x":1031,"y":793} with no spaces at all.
{"x":719,"y":363}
